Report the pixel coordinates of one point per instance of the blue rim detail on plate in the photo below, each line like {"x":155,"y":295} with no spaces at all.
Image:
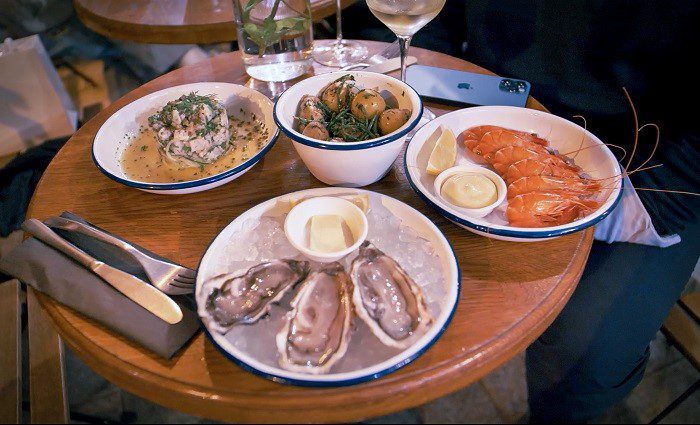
{"x":346,"y":382}
{"x":192,"y":183}
{"x":506,"y":232}
{"x":348,"y":146}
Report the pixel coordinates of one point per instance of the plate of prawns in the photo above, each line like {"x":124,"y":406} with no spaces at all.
{"x":560,"y":177}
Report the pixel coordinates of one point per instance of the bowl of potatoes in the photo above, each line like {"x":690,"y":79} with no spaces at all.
{"x":348,"y":127}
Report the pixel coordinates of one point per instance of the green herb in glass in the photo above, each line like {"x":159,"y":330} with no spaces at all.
{"x":271,"y":30}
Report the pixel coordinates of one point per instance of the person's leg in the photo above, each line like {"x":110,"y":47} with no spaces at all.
{"x":596,"y":351}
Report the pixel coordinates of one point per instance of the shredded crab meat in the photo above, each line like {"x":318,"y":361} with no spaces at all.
{"x":193,"y":129}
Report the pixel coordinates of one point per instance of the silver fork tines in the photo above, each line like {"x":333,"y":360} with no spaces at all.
{"x":392,"y":51}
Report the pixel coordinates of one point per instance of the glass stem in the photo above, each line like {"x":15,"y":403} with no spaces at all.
{"x":404,"y":43}
{"x":338,"y":24}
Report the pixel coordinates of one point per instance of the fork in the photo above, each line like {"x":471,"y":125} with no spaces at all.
{"x":170,"y":278}
{"x":390,"y":52}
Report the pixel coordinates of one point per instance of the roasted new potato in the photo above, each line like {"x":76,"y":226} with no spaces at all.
{"x":366,"y":104}
{"x":392,"y":119}
{"x":316,"y":130}
{"x":339,"y":94}
{"x":309,"y":110}
{"x":345,"y":112}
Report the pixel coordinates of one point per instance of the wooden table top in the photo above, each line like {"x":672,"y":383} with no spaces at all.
{"x":172,"y":21}
{"x":510,"y":292}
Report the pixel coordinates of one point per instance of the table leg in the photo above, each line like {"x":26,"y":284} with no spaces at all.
{"x":11,"y":352}
{"x":47,"y":393}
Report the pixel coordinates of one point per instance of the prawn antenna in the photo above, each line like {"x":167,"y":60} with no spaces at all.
{"x":585,"y":124}
{"x":636,"y":127}
{"x":583,"y":136}
{"x":680,"y":192}
{"x":656,"y":144}
{"x":624,"y":151}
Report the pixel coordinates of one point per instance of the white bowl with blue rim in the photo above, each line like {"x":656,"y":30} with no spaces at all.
{"x":111,"y":139}
{"x":349,"y":164}
{"x":215,"y":259}
{"x":596,"y":160}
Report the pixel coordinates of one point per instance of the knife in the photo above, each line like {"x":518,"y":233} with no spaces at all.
{"x":390,"y":65}
{"x":132,"y":287}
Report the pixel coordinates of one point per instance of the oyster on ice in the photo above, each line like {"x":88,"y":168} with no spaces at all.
{"x":387,"y":299}
{"x":316,"y":332}
{"x":243,"y":297}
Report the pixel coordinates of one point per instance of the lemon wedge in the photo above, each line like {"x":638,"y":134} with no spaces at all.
{"x":361,"y":200}
{"x":444,"y":153}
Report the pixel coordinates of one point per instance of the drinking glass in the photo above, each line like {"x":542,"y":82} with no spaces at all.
{"x":405,"y":18}
{"x":338,"y":52}
{"x":275,"y":37}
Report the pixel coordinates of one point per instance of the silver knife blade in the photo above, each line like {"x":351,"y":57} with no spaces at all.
{"x":390,"y":65}
{"x":132,"y":287}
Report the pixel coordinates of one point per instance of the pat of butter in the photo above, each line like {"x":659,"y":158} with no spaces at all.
{"x":326,"y":234}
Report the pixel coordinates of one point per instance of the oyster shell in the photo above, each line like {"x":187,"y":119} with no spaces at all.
{"x":387,"y":299}
{"x":317,"y":330}
{"x":243,"y":297}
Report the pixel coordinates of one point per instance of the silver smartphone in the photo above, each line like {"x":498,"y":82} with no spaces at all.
{"x":466,"y":88}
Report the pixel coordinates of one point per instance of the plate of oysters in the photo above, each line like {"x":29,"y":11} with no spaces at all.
{"x":327,"y":287}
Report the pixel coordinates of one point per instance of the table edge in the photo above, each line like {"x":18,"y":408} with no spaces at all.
{"x":161,"y":390}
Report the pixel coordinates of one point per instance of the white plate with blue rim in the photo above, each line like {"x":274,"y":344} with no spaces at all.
{"x":115,"y":134}
{"x":253,"y":347}
{"x":595,"y":159}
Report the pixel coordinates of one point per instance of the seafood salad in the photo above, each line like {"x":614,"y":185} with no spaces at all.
{"x":190,"y":138}
{"x":545,"y":188}
{"x":192,"y":128}
{"x":318,"y":318}
{"x":346,"y":112}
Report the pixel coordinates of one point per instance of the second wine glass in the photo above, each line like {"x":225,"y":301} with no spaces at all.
{"x":405,"y":18}
{"x":338,"y":52}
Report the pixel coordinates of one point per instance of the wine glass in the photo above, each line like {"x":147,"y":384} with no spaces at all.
{"x":338,"y":52}
{"x":405,"y":18}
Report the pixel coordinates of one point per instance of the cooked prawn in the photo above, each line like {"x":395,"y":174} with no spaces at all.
{"x":535,"y":167}
{"x":562,"y":185}
{"x":542,"y":209}
{"x":471,"y":136}
{"x":497,"y":139}
{"x":504,"y":157}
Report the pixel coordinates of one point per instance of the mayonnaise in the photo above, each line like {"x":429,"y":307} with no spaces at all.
{"x":469,"y":190}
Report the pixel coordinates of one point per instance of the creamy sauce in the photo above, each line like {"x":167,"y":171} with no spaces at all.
{"x":469,"y":190}
{"x":143,"y":161}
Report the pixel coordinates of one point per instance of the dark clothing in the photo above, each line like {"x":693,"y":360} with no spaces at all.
{"x":18,"y":180}
{"x":578,"y":54}
{"x":596,"y":351}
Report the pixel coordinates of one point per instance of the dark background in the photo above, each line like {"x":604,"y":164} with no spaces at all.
{"x":578,"y":54}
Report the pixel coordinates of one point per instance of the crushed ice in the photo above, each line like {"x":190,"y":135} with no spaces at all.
{"x":263,"y":239}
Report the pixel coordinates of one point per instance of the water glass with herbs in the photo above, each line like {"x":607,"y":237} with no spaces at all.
{"x":275,"y":37}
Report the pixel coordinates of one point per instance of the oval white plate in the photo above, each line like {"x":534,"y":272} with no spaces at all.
{"x":563,"y":135}
{"x":410,"y":217}
{"x":110,"y":141}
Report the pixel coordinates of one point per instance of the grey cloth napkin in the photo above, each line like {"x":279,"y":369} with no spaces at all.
{"x":67,"y":282}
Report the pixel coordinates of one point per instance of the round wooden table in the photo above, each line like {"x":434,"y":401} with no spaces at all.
{"x":510,"y":293}
{"x":172,"y":21}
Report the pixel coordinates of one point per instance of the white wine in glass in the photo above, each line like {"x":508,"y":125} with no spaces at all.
{"x":405,"y":18}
